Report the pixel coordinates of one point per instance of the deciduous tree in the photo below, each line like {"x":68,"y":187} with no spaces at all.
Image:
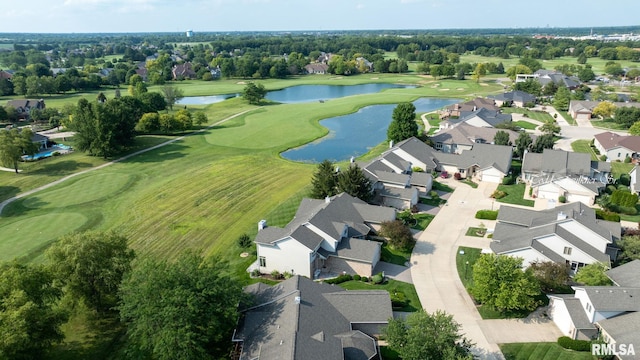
{"x":542,"y":142}
{"x":551,"y":275}
{"x":398,"y":234}
{"x":593,"y":275}
{"x":403,"y":124}
{"x":172,"y":95}
{"x":630,"y":245}
{"x":254,"y":93}
{"x":523,"y":142}
{"x":13,"y":144}
{"x":180,"y":310}
{"x":91,"y":266}
{"x":424,"y":336}
{"x":501,"y":138}
{"x":500,"y":282}
{"x":604,"y":109}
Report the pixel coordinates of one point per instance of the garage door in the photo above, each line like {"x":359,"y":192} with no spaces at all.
{"x":547,"y":195}
{"x":491,"y":178}
{"x":581,"y":198}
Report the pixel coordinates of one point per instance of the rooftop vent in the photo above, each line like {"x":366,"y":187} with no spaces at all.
{"x":561,"y":216}
{"x":297,"y":299}
{"x":262,"y":224}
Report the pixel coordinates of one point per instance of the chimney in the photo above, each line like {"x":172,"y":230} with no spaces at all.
{"x":475,"y":108}
{"x":262,"y":224}
{"x":390,"y":144}
{"x":297,"y":299}
{"x":561,"y":216}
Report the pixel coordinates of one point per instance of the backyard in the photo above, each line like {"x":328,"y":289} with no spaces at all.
{"x":514,"y":195}
{"x":584,"y":146}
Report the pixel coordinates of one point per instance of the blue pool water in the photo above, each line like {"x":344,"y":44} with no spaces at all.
{"x":48,"y":152}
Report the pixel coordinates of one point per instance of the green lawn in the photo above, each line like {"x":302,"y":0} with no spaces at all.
{"x":619,"y":168}
{"x":583,"y":146}
{"x":433,"y":202}
{"x":395,"y":256}
{"x":423,"y":220}
{"x":464,"y":264}
{"x":515,"y":195}
{"x":535,"y":115}
{"x":607,"y":124}
{"x":525,"y":125}
{"x":541,"y":351}
{"x":470,"y":183}
{"x":476,"y":232}
{"x":441,"y":187}
{"x":413,"y":302}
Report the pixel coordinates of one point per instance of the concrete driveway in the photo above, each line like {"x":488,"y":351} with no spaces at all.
{"x":434,"y":274}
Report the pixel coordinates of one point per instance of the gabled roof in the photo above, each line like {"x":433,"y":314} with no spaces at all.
{"x":583,"y":106}
{"x":626,"y":275}
{"x":330,"y":216}
{"x":561,"y":163}
{"x":624,"y":329}
{"x":492,"y":118}
{"x":475,"y":104}
{"x":357,"y":249}
{"x":613,"y":298}
{"x":519,"y":96}
{"x":576,"y":311}
{"x":418,"y":150}
{"x":610,"y":140}
{"x":481,"y":155}
{"x":465,"y":134}
{"x":316,"y":327}
{"x":398,"y":193}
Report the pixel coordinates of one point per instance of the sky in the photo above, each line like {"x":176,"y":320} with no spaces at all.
{"x":82,"y":16}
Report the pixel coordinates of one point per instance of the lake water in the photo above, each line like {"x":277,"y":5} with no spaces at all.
{"x":300,"y":93}
{"x":355,"y":134}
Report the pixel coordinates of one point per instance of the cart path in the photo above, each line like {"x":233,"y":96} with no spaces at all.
{"x":61,"y":180}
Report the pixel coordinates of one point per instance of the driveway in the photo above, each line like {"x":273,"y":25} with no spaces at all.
{"x":395,"y":272}
{"x":433,"y":269}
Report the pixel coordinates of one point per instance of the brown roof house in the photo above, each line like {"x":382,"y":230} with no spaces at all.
{"x":24,"y":106}
{"x":316,"y":68}
{"x":183,"y":71}
{"x":300,"y":319}
{"x":464,"y":136}
{"x":616,"y":146}
{"x":471,"y":105}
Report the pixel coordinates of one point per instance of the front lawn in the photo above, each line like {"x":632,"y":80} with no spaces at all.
{"x":441,"y":187}
{"x":535,"y":115}
{"x":525,"y":125}
{"x":395,"y":256}
{"x":541,"y":351}
{"x":607,"y":124}
{"x":422,"y":221}
{"x":433,"y":202}
{"x":464,"y":264}
{"x":409,"y":291}
{"x":470,"y":183}
{"x":476,"y":231}
{"x":515,"y":195}
{"x":583,"y":146}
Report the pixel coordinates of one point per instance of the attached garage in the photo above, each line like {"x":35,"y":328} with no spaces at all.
{"x":548,"y":191}
{"x":492,"y":175}
{"x":585,"y":199}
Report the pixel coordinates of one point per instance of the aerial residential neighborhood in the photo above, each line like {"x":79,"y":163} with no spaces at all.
{"x":249,"y":193}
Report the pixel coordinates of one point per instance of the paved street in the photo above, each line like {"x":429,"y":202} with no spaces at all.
{"x":436,"y":279}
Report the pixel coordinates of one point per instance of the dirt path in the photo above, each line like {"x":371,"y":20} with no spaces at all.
{"x":61,"y":180}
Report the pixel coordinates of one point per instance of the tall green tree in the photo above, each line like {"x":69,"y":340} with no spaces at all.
{"x":500,"y":282}
{"x":353,"y":182}
{"x":424,"y":336}
{"x":523,"y":142}
{"x":593,"y":275}
{"x":542,"y":142}
{"x":501,"y":138}
{"x":13,"y":144}
{"x":630,"y":246}
{"x":91,"y":266}
{"x":325,"y":180}
{"x":551,"y":275}
{"x":180,"y":310}
{"x":254,"y":93}
{"x":550,"y":127}
{"x":172,"y":95}
{"x":562,"y":99}
{"x":403,"y":124}
{"x":398,"y":234}
{"x":30,"y":319}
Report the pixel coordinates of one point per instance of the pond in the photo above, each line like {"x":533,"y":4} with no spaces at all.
{"x":355,"y":134}
{"x":300,"y":93}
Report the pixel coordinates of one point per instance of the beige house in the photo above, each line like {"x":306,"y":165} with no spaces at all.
{"x":616,"y":146}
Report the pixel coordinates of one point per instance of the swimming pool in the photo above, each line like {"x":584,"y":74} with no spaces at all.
{"x":49,"y":152}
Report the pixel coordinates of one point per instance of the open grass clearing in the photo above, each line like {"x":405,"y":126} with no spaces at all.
{"x":395,"y":256}
{"x":515,"y":195}
{"x":608,"y":124}
{"x":535,"y":115}
{"x":525,"y":125}
{"x":583,"y":146}
{"x":542,"y":351}
{"x":413,"y":302}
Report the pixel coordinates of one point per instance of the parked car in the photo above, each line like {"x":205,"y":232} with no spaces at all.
{"x":444,"y":174}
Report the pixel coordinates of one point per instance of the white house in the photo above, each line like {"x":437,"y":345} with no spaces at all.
{"x":584,"y":191}
{"x":568,"y":234}
{"x":325,"y":235}
{"x":484,"y":162}
{"x":617,"y":147}
{"x":480,"y":118}
{"x":465,"y":136}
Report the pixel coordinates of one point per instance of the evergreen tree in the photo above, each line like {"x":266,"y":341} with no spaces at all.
{"x":501,"y":138}
{"x":523,"y":142}
{"x":562,"y":98}
{"x":324,"y":181}
{"x":403,"y":125}
{"x":353,"y":182}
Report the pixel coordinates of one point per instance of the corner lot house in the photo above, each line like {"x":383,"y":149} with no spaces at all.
{"x":617,"y":147}
{"x":568,"y":234}
{"x":556,"y":173}
{"x":465,"y":136}
{"x":469,"y":106}
{"x":479,"y":118}
{"x":324,"y":236}
{"x":484,"y":162}
{"x":612,"y":312}
{"x":513,"y":98}
{"x":300,"y":319}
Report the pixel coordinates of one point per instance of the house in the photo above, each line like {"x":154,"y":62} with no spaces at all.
{"x":300,"y":319}
{"x":484,"y":162}
{"x":617,"y":147}
{"x":465,"y":136}
{"x":416,"y":153}
{"x":583,"y":109}
{"x":316,"y":68}
{"x":6,"y":74}
{"x":513,"y":98}
{"x":469,"y":106}
{"x":634,"y":184}
{"x":143,"y":72}
{"x":363,"y":64}
{"x":324,"y":236}
{"x":568,"y":234}
{"x":183,"y":71}
{"x":556,"y":173}
{"x":478,"y":118}
{"x":394,"y":181}
{"x":24,"y":106}
{"x":611,"y":312}
{"x":547,"y":76}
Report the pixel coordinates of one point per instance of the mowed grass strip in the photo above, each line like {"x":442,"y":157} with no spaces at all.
{"x":25,"y":237}
{"x":541,"y":351}
{"x":583,"y":146}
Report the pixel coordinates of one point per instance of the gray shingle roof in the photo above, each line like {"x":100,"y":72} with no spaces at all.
{"x":397,"y":193}
{"x":421,"y":178}
{"x":626,"y":275}
{"x":614,"y":298}
{"x":576,"y":312}
{"x":624,"y":329}
{"x":493,"y":118}
{"x":519,"y":96}
{"x":392,"y":178}
{"x":610,"y":140}
{"x":419,"y":150}
{"x":277,"y":327}
{"x":482,"y":155}
{"x":562,"y":163}
{"x":357,"y":249}
{"x":465,"y":134}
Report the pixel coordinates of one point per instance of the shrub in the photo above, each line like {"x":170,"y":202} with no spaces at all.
{"x":275,"y":274}
{"x":244,"y":241}
{"x":457,"y":176}
{"x":603,"y":158}
{"x":487,"y":214}
{"x":562,"y":199}
{"x":576,"y":345}
{"x":340,"y":279}
{"x":607,"y":215}
{"x":624,"y":188}
{"x":610,"y":189}
{"x":255,"y":273}
{"x":56,"y":153}
{"x":627,"y":210}
{"x":398,"y":234}
{"x":434,"y":194}
{"x":508,"y":180}
{"x":417,"y":169}
{"x":377,"y":279}
{"x":624,"y":179}
{"x":398,"y":299}
{"x":627,"y":160}
{"x":357,"y":277}
{"x":498,"y":194}
{"x":595,"y":150}
{"x":286,"y":275}
{"x":364,"y":279}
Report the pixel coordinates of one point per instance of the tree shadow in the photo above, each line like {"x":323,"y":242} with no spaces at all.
{"x":18,"y":208}
{"x":7,"y":192}
{"x":61,"y":168}
{"x":164,"y":153}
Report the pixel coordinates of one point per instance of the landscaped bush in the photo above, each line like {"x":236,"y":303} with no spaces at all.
{"x":364,"y":279}
{"x":624,"y":179}
{"x":607,"y":215}
{"x":627,"y":160}
{"x":275,"y":274}
{"x":627,"y":210}
{"x":487,"y":214}
{"x":286,"y":275}
{"x":377,"y":279}
{"x":357,"y":277}
{"x":562,"y":199}
{"x":603,"y":158}
{"x":577,"y":345}
{"x":244,"y":241}
{"x":498,"y":194}
{"x":255,"y":273}
{"x":509,"y":180}
{"x":340,"y":279}
{"x":434,"y":194}
{"x":457,"y":176}
{"x":623,"y":198}
{"x":398,"y":299}
{"x":610,"y":189}
{"x":624,"y":188}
